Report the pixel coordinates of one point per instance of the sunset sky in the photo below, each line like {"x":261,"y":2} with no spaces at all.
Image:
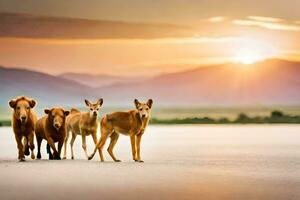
{"x":184,"y":35}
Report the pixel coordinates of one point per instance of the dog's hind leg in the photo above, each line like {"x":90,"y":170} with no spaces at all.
{"x":95,"y":150}
{"x":72,"y":143}
{"x":65,"y":145}
{"x":100,"y":144}
{"x":113,"y":140}
{"x":94,"y":135}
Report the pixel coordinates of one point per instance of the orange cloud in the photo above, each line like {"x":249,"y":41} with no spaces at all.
{"x":189,"y":40}
{"x":265,"y":19}
{"x":217,"y":19}
{"x":267,"y":25}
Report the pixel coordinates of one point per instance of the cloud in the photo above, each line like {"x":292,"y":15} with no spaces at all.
{"x":217,"y":19}
{"x":267,"y":24}
{"x":188,"y":40}
{"x":265,"y":19}
{"x":47,"y":27}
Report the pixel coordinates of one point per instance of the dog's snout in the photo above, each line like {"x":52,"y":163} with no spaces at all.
{"x":143,"y":115}
{"x":23,"y":118}
{"x":95,"y":113}
{"x":56,"y":125}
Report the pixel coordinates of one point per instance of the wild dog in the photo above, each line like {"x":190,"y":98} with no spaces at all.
{"x":84,"y":124}
{"x":132,"y":123}
{"x":53,"y":129}
{"x":23,"y":122}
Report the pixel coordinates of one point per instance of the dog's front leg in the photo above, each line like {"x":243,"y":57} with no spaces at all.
{"x":56,"y":155}
{"x":59,"y":146}
{"x":20,"y":147}
{"x":31,"y":144}
{"x":133,"y":146}
{"x":138,"y":145}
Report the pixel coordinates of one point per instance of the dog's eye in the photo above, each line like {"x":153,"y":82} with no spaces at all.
{"x":141,"y":109}
{"x":147,"y":108}
{"x":27,"y":108}
{"x":91,"y":109}
{"x":18,"y":108}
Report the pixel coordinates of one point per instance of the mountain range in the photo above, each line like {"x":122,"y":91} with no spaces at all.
{"x":99,"y":79}
{"x":269,"y":82}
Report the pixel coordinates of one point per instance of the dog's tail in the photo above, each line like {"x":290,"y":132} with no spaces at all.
{"x":74,"y":110}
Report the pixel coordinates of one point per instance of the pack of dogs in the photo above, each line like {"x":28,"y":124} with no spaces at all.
{"x":57,"y":125}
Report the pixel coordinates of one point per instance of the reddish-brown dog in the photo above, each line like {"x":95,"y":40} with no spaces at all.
{"x":132,"y":123}
{"x":23,"y":122}
{"x":52,"y":128}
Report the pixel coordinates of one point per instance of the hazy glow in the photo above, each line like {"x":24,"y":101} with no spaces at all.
{"x":254,"y":51}
{"x":248,"y":57}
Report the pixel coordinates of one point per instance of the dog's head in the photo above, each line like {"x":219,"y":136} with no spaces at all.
{"x":94,"y":107}
{"x":22,"y":107}
{"x":57,"y":117}
{"x":144,"y":109}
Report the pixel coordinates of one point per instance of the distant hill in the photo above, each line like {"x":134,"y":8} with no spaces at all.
{"x":270,"y":82}
{"x":48,"y":89}
{"x":99,"y":80}
{"x":35,"y":26}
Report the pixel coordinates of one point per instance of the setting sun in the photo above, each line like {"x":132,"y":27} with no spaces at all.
{"x":253,"y":51}
{"x":248,"y":57}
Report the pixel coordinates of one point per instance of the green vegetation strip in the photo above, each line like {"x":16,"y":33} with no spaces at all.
{"x":242,"y":118}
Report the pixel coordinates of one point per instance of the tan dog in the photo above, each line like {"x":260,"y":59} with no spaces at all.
{"x":23,"y":122}
{"x":53,"y":129}
{"x":132,"y":123}
{"x":83,"y":124}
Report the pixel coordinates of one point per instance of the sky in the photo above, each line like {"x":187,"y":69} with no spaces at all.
{"x":158,"y":37}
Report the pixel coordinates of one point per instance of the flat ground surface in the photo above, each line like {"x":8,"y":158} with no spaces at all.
{"x":181,"y":162}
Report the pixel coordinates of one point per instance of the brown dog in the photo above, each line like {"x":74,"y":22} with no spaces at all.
{"x":53,"y":129}
{"x":132,"y":123}
{"x":84,"y":124}
{"x":23,"y":122}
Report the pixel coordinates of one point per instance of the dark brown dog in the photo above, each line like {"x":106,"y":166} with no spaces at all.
{"x":23,"y":122}
{"x":53,"y":129}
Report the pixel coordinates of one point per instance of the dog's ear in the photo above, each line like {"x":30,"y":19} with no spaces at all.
{"x":12,"y":103}
{"x":32,"y":103}
{"x":47,"y":111}
{"x":100,"y":102}
{"x":136,"y":103}
{"x":87,"y":102}
{"x":149,"y":103}
{"x":66,"y":112}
